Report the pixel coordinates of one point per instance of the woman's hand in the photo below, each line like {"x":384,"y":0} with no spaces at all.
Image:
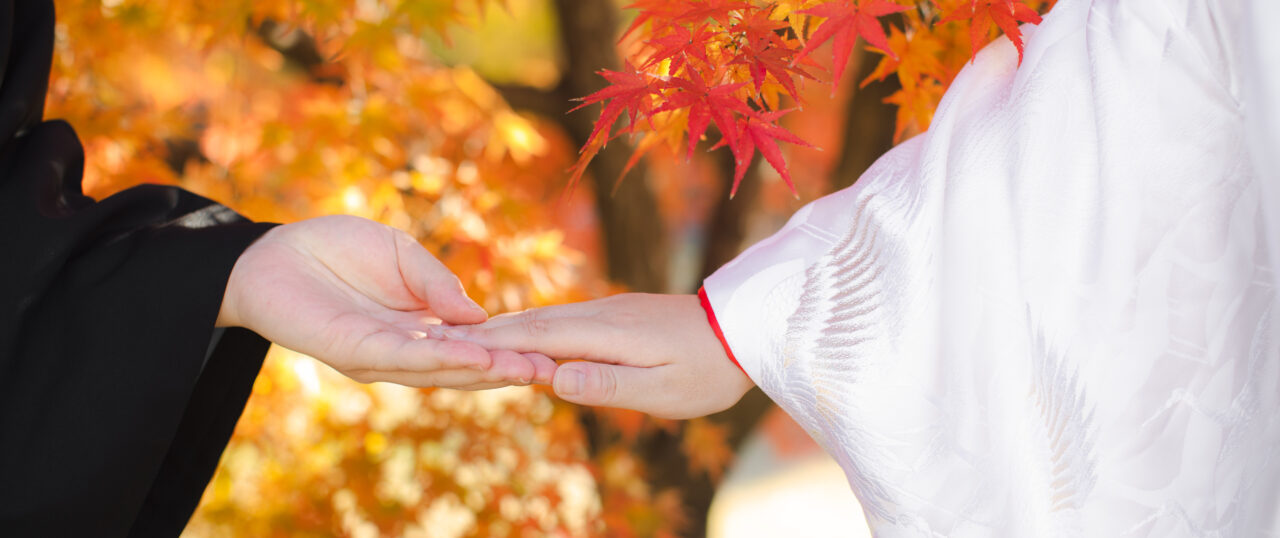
{"x":652,"y":353}
{"x":361,"y":296}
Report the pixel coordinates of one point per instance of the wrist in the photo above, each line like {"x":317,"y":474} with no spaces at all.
{"x":729,"y":380}
{"x":230,"y":310}
{"x":715,"y":328}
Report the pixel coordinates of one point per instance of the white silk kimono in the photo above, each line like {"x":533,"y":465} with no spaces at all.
{"x":1054,"y":313}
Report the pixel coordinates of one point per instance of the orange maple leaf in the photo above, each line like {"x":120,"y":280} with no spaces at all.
{"x":917,"y":56}
{"x":706,"y":445}
{"x":915,"y":106}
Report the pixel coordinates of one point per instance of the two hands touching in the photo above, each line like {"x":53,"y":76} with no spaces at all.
{"x":651,"y":353}
{"x":370,"y":302}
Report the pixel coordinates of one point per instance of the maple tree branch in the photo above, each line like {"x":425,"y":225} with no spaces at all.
{"x":298,"y":49}
{"x":178,"y":151}
{"x":636,"y":247}
{"x":551,"y":104}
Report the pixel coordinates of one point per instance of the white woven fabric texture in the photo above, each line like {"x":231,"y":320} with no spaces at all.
{"x":1054,"y":313}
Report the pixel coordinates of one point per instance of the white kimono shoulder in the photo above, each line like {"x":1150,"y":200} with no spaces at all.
{"x":1054,"y":313}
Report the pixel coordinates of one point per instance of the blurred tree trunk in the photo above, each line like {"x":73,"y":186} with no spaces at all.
{"x":868,"y":123}
{"x":668,"y":464}
{"x":633,"y":235}
{"x":726,"y":229}
{"x":867,"y":133}
{"x":669,"y":468}
{"x":634,"y":238}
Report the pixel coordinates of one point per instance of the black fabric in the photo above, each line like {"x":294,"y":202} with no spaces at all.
{"x":109,"y":426}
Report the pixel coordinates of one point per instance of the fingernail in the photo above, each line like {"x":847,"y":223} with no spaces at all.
{"x":570,"y":383}
{"x":474,"y":304}
{"x":455,"y":333}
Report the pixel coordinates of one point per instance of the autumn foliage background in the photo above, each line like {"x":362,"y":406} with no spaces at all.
{"x":448,"y":118}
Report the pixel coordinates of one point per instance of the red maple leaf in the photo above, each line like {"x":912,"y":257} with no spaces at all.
{"x":760,"y":131}
{"x":706,"y":105}
{"x":846,"y":20}
{"x":777,"y":62}
{"x":1006,"y":14}
{"x":648,"y":10}
{"x":666,"y":13}
{"x":630,"y":91}
{"x":764,"y":52}
{"x":698,"y":12}
{"x":757,"y":27}
{"x":679,"y":46}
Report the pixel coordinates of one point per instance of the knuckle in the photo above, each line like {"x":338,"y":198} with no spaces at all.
{"x":534,"y":324}
{"x":623,"y":318}
{"x":619,"y":313}
{"x":608,"y":385}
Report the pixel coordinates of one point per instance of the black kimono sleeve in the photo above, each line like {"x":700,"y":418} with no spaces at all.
{"x":111,"y":420}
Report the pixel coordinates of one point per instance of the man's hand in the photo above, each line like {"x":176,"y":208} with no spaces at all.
{"x":361,"y":296}
{"x":652,"y":353}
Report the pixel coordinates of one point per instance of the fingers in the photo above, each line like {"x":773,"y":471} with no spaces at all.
{"x":433,"y":283}
{"x":573,"y":331}
{"x":585,"y":309}
{"x":504,"y":368}
{"x":544,"y":368}
{"x":390,"y":349}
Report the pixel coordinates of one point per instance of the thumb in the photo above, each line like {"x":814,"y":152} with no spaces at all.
{"x":608,"y":385}
{"x":434,"y":284}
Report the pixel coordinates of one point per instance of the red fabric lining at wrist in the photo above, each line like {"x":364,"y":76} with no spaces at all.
{"x":715,"y":327}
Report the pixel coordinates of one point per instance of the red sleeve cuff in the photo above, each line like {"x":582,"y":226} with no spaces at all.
{"x":715,"y":327}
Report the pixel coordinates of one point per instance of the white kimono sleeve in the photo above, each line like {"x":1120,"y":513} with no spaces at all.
{"x":1054,"y":313}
